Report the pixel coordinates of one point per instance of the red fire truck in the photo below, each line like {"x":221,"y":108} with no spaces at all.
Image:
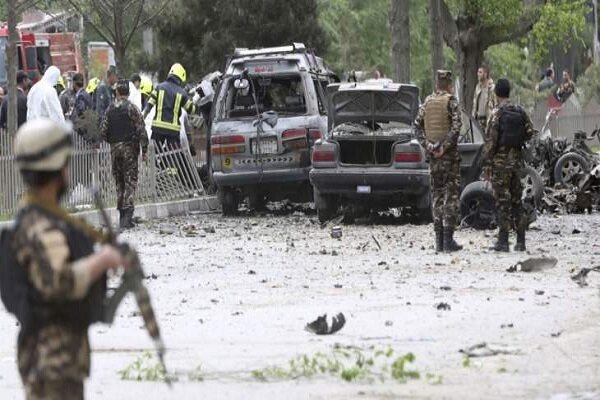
{"x":36,"y":51}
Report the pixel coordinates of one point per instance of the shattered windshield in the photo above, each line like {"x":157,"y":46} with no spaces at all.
{"x":283,"y":94}
{"x":368,"y":128}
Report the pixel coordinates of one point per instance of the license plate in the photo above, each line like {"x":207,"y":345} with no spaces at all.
{"x":363,"y":189}
{"x":268,"y":145}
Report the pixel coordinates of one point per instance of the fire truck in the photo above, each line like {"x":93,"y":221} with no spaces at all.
{"x":38,"y":49}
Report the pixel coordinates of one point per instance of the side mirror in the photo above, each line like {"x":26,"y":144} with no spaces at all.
{"x":241,"y":84}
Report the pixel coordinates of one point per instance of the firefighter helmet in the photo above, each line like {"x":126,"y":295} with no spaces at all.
{"x":43,"y":145}
{"x":92,"y":85}
{"x":146,"y":86}
{"x":178,"y":71}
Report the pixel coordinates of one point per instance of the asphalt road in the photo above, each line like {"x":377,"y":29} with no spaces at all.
{"x":233,"y":296}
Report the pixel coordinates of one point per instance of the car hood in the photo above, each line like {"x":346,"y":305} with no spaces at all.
{"x":351,"y":102}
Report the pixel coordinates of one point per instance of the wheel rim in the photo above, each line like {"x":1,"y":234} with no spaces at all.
{"x":528,"y":186}
{"x":480,"y":213}
{"x":570,"y":169}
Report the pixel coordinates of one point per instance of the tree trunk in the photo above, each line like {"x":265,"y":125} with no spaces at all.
{"x":120,"y":59}
{"x":400,"y":30}
{"x":12,"y":61}
{"x":436,"y":39}
{"x":468,"y":61}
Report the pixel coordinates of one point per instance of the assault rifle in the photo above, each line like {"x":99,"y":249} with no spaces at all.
{"x":132,"y":281}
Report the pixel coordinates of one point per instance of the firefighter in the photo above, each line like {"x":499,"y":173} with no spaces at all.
{"x":170,"y":100}
{"x":146,"y":90}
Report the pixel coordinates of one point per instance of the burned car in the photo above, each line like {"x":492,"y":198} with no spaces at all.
{"x":370,"y":159}
{"x":268,"y":112}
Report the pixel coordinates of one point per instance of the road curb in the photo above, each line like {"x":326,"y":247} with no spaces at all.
{"x":150,"y":211}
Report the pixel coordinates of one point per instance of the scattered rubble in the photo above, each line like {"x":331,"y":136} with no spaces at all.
{"x":580,"y":277}
{"x":534,"y":264}
{"x":487,"y":350}
{"x":320,"y":326}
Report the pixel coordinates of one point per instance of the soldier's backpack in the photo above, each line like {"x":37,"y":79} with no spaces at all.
{"x":512,"y":126}
{"x":13,"y":280}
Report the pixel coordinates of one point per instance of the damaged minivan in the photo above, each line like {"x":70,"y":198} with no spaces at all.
{"x":269,"y":110}
{"x":370,"y":159}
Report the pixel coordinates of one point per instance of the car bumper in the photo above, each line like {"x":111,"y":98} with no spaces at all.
{"x":410,"y":182}
{"x":246,"y":178}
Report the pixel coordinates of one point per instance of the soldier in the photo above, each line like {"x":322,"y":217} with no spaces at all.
{"x":508,"y":130}
{"x":123,"y":127}
{"x":484,"y":99}
{"x":438,"y":127}
{"x":51,"y":278}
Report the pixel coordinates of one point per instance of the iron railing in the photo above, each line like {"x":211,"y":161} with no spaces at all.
{"x":169,"y":174}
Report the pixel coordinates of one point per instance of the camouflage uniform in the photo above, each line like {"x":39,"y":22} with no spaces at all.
{"x":484,"y":102}
{"x":54,"y":357}
{"x":506,"y":166}
{"x":445,"y":171}
{"x":125,"y":153}
{"x":565,"y":90}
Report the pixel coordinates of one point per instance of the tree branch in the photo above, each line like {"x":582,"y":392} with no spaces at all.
{"x":490,"y":35}
{"x":87,"y":19}
{"x":135,"y":24}
{"x":159,"y":10}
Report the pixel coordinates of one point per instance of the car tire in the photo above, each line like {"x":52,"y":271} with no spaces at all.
{"x":533,"y":185}
{"x":229,"y":201}
{"x":257,"y":202}
{"x":478,"y":205}
{"x":326,"y":206}
{"x":568,"y":166}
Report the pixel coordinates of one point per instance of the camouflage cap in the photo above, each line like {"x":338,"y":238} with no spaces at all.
{"x":443,"y":77}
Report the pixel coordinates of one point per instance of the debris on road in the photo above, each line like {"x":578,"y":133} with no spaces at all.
{"x":487,"y":350}
{"x":336,"y":232}
{"x":443,"y":306}
{"x":320,"y":326}
{"x":376,"y":241}
{"x":580,"y":277}
{"x":534,"y":264}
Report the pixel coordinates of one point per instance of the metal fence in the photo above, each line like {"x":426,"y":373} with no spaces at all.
{"x":169,"y":174}
{"x":570,"y":119}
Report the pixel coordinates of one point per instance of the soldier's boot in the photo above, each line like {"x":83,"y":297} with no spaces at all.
{"x":501,"y":243}
{"x":439,"y":237}
{"x":520,"y":245}
{"x":128,"y":219}
{"x":449,"y":242}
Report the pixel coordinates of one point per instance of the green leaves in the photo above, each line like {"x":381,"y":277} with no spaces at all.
{"x":561,"y":21}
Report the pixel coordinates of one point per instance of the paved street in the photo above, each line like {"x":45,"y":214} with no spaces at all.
{"x":233,"y":296}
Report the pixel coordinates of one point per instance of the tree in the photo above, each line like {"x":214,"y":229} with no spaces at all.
{"x":200,"y":34}
{"x":436,"y":40}
{"x":400,"y":29}
{"x":117,"y":21}
{"x":478,"y":24}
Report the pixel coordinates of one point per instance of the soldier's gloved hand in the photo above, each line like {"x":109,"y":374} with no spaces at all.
{"x":110,"y":258}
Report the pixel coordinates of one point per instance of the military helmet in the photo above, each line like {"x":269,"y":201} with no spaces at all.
{"x":43,"y":145}
{"x":146,"y":86}
{"x":92,"y":85}
{"x":178,"y":71}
